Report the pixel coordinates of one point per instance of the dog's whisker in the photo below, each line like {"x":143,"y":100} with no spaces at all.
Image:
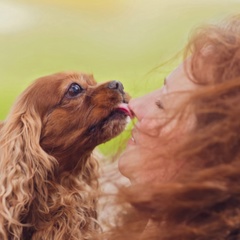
{"x":85,"y":119}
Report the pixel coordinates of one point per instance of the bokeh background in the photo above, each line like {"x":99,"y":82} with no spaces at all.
{"x":112,"y":39}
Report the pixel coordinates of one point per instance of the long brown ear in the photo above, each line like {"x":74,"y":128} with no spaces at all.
{"x":24,"y":168}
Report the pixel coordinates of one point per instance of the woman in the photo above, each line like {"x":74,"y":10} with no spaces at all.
{"x":183,"y":160}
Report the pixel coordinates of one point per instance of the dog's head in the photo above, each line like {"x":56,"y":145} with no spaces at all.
{"x":77,"y":113}
{"x":74,"y":114}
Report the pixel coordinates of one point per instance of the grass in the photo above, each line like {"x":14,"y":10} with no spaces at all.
{"x":121,"y":40}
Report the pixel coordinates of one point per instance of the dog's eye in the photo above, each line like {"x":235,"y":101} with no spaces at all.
{"x":74,"y":90}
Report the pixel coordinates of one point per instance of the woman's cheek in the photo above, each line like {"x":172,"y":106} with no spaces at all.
{"x":151,"y":126}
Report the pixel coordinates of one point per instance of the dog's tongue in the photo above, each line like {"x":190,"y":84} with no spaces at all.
{"x":124,"y":107}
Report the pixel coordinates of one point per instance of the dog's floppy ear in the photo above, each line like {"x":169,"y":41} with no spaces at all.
{"x":24,"y":166}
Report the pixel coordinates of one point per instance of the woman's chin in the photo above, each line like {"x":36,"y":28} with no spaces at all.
{"x":125,"y":162}
{"x":131,"y":142}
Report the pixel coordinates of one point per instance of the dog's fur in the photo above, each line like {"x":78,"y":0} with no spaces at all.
{"x":47,"y":173}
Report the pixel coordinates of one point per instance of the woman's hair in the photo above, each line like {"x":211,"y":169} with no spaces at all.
{"x":202,"y":202}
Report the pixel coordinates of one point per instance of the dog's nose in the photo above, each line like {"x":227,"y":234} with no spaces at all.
{"x":116,"y":85}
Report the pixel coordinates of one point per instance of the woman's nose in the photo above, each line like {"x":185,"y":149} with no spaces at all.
{"x":144,"y":106}
{"x":139,"y":107}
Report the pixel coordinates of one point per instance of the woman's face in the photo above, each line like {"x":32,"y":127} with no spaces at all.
{"x":140,"y":162}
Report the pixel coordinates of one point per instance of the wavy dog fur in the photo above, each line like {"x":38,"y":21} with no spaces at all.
{"x":48,"y":176}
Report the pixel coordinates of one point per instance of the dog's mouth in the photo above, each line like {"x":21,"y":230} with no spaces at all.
{"x":119,"y":115}
{"x":112,"y":125}
{"x":123,"y":107}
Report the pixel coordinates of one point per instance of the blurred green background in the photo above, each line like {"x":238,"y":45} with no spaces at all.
{"x":112,"y":39}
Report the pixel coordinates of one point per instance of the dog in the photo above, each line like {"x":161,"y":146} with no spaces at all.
{"x":48,"y":175}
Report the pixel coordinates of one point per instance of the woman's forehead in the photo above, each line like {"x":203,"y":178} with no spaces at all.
{"x":179,"y":79}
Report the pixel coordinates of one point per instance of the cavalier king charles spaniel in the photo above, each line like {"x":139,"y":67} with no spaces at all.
{"x":48,"y":176}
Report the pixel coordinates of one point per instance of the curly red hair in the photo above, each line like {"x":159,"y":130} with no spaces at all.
{"x":203,"y":201}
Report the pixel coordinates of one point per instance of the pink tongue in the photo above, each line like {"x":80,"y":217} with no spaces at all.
{"x":124,"y":107}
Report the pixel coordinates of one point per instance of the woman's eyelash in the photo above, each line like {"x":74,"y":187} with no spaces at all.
{"x":159,"y":104}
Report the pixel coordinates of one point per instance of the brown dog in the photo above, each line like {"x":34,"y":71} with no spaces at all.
{"x":47,"y":173}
